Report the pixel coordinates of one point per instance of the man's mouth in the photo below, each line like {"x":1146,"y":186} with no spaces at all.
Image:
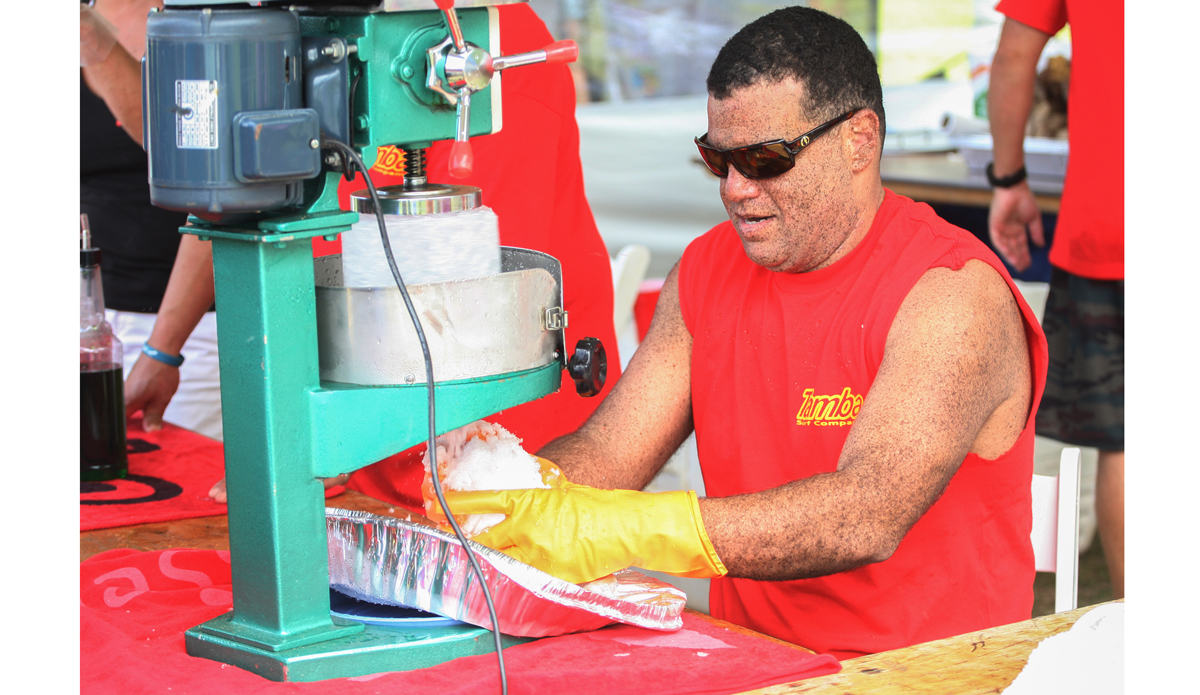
{"x":746,"y":223}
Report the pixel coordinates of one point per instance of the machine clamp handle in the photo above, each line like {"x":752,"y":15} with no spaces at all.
{"x":588,"y":367}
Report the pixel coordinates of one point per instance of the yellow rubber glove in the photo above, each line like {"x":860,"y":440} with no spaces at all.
{"x":580,"y":533}
{"x":552,"y":476}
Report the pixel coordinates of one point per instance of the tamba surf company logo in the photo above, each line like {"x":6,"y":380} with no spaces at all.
{"x":832,"y":410}
{"x":389,"y":160}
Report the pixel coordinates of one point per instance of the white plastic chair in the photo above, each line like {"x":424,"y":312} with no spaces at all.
{"x":628,"y":269}
{"x":1055,"y":534}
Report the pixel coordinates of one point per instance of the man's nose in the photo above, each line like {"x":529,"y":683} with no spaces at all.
{"x":735,"y":186}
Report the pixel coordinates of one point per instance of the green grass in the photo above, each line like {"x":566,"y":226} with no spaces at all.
{"x":1094,"y":584}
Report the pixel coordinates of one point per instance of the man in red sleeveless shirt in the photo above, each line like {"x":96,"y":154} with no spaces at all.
{"x":861,"y":376}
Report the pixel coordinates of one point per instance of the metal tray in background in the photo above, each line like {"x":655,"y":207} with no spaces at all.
{"x":403,"y":563}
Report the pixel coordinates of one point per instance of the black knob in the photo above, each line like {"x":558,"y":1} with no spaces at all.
{"x":588,"y":367}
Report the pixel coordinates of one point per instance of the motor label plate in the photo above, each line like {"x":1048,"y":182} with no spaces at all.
{"x":196,"y":114}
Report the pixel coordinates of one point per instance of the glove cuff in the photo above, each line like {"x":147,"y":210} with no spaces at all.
{"x":712,"y":565}
{"x":678,"y":544}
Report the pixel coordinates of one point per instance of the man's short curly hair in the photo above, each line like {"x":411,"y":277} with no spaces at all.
{"x":819,"y":50}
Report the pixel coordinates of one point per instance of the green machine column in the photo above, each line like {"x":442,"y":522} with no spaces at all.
{"x":268,"y":355}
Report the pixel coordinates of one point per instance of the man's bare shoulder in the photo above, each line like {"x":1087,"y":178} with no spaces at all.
{"x":945,"y":301}
{"x":965,"y":326}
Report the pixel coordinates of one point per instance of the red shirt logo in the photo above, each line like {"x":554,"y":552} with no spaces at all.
{"x":829,"y":410}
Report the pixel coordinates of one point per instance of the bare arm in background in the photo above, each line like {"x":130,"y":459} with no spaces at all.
{"x":151,"y":384}
{"x":955,"y":378}
{"x":117,"y":79}
{"x":1010,"y":98}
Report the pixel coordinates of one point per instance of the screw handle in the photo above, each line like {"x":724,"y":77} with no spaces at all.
{"x":447,"y":8}
{"x":469,"y":68}
{"x":565,"y":51}
{"x":462,"y":161}
{"x":588,"y":367}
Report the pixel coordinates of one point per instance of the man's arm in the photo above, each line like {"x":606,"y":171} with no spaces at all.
{"x":189,"y":294}
{"x":647,"y":415}
{"x":117,"y":79}
{"x":955,"y":378}
{"x":1010,"y":98}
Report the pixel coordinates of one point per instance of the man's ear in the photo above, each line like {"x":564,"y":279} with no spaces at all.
{"x":861,"y":137}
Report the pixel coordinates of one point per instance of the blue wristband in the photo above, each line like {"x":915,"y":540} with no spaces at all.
{"x":172,"y":360}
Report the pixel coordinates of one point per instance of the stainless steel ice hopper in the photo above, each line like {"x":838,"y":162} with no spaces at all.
{"x":480,"y":327}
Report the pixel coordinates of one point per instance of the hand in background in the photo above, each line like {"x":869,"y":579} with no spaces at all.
{"x":1014,"y":210}
{"x":149,"y":388}
{"x":218,"y":491}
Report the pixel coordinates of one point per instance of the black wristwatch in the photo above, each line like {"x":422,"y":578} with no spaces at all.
{"x":1008,"y":181}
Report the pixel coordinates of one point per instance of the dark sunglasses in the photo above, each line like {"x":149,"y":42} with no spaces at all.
{"x":765,"y":159}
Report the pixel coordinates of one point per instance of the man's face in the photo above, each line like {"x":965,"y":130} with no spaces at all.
{"x":796,"y":221}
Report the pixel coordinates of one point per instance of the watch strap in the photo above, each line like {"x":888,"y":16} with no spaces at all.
{"x":1008,"y":181}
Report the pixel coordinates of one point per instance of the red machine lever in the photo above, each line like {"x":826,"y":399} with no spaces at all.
{"x":565,"y":51}
{"x":462,"y":161}
{"x":461,"y":158}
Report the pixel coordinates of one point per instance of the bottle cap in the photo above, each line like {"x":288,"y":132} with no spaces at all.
{"x":88,"y":254}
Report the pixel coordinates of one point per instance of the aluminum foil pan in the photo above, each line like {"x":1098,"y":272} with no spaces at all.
{"x":403,"y":563}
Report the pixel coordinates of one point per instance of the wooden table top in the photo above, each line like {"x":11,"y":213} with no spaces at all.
{"x":979,"y":662}
{"x":944,"y":177}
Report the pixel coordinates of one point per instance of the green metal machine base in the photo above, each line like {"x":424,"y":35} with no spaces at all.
{"x":369,"y":650}
{"x":284,"y":430}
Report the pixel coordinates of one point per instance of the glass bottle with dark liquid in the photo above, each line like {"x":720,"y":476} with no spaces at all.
{"x":102,"y":453}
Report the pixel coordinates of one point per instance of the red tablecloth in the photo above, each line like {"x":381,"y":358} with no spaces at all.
{"x":170,"y":474}
{"x":134,"y":607}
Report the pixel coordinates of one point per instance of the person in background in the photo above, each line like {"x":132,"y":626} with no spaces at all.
{"x":861,"y":376}
{"x":154,"y":277}
{"x":1084,"y":321}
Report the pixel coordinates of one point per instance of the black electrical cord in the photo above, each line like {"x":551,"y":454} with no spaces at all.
{"x":349,"y":153}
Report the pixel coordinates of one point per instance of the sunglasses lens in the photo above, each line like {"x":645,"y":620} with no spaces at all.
{"x":755,"y":162}
{"x":716,"y":161}
{"x":763,"y":161}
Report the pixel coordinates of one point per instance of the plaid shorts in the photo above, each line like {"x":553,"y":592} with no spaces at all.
{"x":1084,"y":402}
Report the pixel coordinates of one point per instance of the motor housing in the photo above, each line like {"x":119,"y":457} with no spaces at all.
{"x":223,"y":119}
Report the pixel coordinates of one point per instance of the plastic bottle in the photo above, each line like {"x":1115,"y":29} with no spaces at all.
{"x":102,"y":452}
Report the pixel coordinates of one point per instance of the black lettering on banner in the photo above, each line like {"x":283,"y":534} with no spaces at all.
{"x":163,"y":490}
{"x":140,"y":446}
